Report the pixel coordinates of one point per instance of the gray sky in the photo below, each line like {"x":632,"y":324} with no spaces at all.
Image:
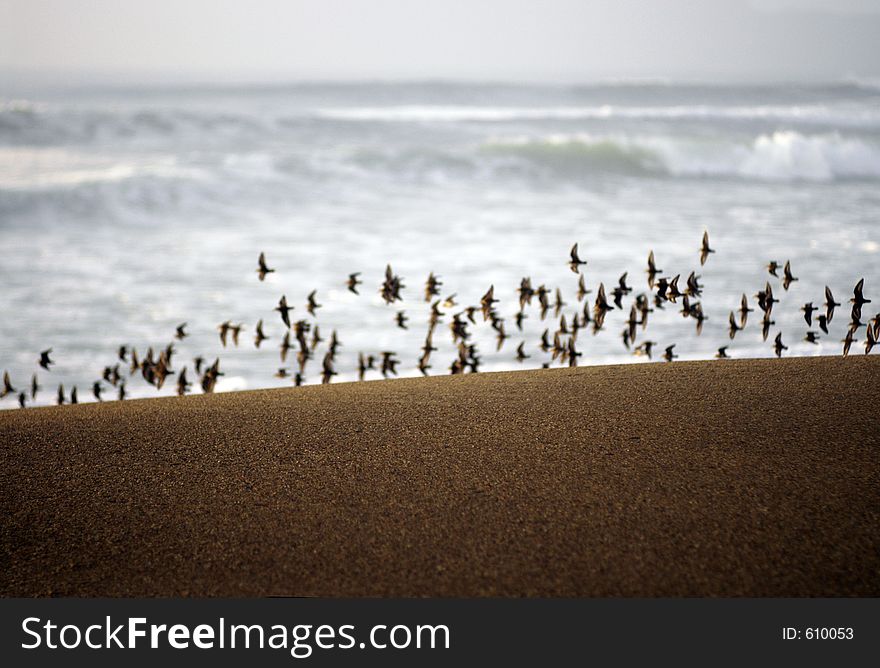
{"x":565,"y":40}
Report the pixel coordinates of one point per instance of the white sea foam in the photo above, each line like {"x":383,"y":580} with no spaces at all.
{"x":820,"y":114}
{"x":780,"y":156}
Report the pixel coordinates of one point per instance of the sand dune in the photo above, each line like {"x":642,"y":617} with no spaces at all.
{"x":753,"y":478}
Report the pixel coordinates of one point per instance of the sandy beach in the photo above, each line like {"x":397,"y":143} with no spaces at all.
{"x":735,"y":478}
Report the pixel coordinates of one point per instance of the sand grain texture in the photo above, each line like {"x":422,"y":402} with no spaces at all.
{"x":740,"y":478}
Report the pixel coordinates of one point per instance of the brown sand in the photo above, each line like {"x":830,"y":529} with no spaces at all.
{"x":751,"y":478}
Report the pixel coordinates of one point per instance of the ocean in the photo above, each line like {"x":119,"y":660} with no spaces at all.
{"x":125,"y":211}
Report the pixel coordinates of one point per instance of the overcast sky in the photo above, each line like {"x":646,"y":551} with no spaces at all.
{"x":560,"y":40}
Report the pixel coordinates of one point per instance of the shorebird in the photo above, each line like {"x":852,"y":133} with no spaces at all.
{"x":96,"y":390}
{"x":122,"y":353}
{"x":744,"y":311}
{"x":224,"y":328}
{"x":209,"y":378}
{"x":870,"y":340}
{"x":693,"y":289}
{"x":652,"y":270}
{"x":59,"y":398}
{"x":486,"y":302}
{"x":766,"y":323}
{"x":575,"y":262}
{"x":645,"y":348}
{"x":35,"y":386}
{"x":401,"y":319}
{"x":7,"y":385}
{"x":73,"y":397}
{"x":236,"y":331}
{"x":722,"y":353}
{"x":558,"y":303}
{"x":601,"y":304}
{"x":734,"y":328}
{"x":423,"y":366}
{"x":829,"y":304}
{"x":391,"y":286}
{"x":704,"y":249}
{"x":521,"y":353}
{"x":582,"y":290}
{"x":44,"y":359}
{"x":787,"y":277}
{"x":432,"y":286}
{"x":262,"y":269}
{"x":808,"y":310}
{"x":812,"y":337}
{"x":823,"y":322}
{"x":312,"y":305}
{"x":284,"y":310}
{"x":668,"y":355}
{"x":183,"y":384}
{"x":285,"y":346}
{"x":353,"y":282}
{"x":181,"y":333}
{"x":848,"y":340}
{"x":389,"y":364}
{"x":121,"y":392}
{"x":572,"y":353}
{"x":22,"y":400}
{"x":773,"y":267}
{"x":858,"y":299}
{"x":778,"y":346}
{"x":518,"y":319}
{"x":525,"y":292}
{"x":333,"y":345}
{"x":259,"y":337}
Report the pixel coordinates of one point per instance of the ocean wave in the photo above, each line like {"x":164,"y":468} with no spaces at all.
{"x":25,"y":123}
{"x":780,"y":156}
{"x":815,"y":114}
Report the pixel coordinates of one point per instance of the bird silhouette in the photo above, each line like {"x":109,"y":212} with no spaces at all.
{"x":778,"y":346}
{"x":808,"y":310}
{"x":652,"y":270}
{"x":45,"y":361}
{"x":312,"y":304}
{"x":262,"y":269}
{"x":7,"y":385}
{"x":829,"y":304}
{"x":259,"y":337}
{"x":284,"y":310}
{"x":704,"y":249}
{"x":575,"y":262}
{"x":787,"y":277}
{"x":486,"y":302}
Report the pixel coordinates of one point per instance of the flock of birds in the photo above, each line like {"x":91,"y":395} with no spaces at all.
{"x":304,"y":337}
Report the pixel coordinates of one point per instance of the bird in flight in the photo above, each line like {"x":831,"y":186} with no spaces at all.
{"x":787,"y":277}
{"x":575,"y":261}
{"x":45,"y":361}
{"x":704,"y":249}
{"x":284,"y":310}
{"x":262,"y":269}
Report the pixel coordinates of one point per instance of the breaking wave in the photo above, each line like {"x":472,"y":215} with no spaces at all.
{"x":780,"y":156}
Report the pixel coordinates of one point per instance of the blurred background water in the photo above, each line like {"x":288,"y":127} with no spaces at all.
{"x":126,"y":211}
